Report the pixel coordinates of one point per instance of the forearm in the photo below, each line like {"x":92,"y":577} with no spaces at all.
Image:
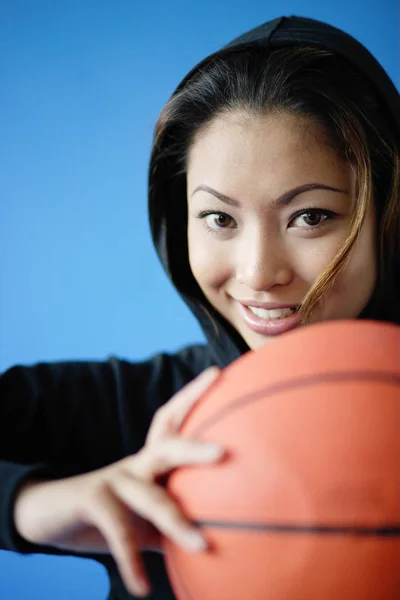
{"x":43,"y":509}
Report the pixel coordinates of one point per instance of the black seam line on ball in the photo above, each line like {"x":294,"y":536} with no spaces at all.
{"x":317,"y":379}
{"x":390,"y":530}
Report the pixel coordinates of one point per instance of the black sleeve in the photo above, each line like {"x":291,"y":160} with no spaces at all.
{"x":62,"y":419}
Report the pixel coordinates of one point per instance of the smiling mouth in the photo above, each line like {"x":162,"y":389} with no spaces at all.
{"x":268,"y":322}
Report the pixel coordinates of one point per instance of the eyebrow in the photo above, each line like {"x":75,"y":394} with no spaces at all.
{"x":280,"y":202}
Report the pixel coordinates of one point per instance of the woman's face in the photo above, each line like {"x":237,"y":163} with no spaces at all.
{"x":269,"y":205}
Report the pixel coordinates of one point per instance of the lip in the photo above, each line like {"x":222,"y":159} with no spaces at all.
{"x":272,"y":326}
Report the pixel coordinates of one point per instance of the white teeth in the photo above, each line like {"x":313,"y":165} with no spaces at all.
{"x":277,"y":313}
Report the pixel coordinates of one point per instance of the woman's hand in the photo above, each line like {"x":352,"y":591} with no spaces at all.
{"x":121,"y":509}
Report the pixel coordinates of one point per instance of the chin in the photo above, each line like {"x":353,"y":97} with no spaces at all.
{"x":257,"y":341}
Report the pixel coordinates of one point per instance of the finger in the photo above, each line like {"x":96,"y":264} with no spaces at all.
{"x":169,"y":418}
{"x":168,"y":453}
{"x":153,"y":504}
{"x":114,"y":521}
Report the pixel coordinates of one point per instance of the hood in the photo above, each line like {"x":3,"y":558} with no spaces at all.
{"x":166,"y":201}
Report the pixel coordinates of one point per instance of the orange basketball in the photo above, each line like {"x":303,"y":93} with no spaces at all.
{"x":306,"y":504}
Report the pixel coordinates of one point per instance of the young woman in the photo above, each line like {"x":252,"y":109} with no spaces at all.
{"x":274,"y":203}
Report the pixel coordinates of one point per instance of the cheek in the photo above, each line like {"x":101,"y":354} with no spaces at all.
{"x":209,"y":261}
{"x":358,"y":279}
{"x":355,"y":284}
{"x":310,"y":258}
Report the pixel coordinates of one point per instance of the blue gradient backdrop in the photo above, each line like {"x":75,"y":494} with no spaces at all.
{"x":82,"y":85}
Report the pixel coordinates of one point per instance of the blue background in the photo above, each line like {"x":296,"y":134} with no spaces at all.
{"x":82,"y":85}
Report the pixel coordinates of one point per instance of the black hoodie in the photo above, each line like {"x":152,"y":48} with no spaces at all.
{"x":62,"y":419}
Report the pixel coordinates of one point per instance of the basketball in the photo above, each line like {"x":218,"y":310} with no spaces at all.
{"x":305,"y":505}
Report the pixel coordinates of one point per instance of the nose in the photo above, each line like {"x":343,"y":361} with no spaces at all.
{"x":262,"y":262}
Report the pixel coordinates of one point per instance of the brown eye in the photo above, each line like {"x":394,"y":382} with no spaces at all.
{"x":215,"y":220}
{"x":222,"y":220}
{"x":312,"y":218}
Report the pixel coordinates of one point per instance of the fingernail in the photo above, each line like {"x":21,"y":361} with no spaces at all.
{"x":142,"y":587}
{"x":213,"y":450}
{"x":195,"y":541}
